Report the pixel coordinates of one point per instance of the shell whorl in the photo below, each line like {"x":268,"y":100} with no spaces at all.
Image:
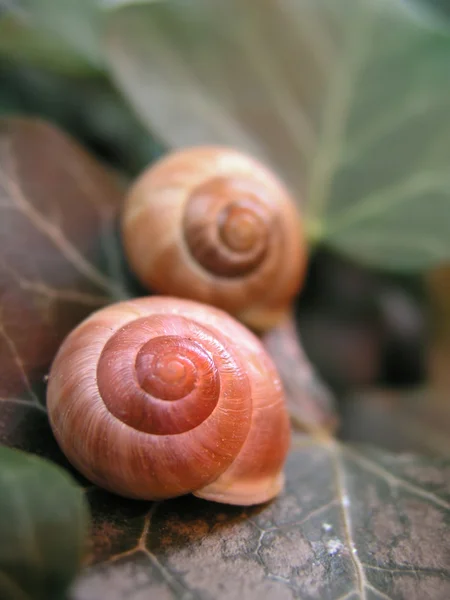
{"x":227,"y":226}
{"x":154,"y":376}
{"x":154,"y":398}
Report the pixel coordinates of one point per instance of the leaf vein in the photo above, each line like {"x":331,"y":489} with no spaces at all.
{"x":394,"y":480}
{"x":54,"y":234}
{"x":335,"y":454}
{"x":18,"y":362}
{"x":37,"y":405}
{"x":377,"y":130}
{"x":335,"y":115}
{"x":393,"y":196}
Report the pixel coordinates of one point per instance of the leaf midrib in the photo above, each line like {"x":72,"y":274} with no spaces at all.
{"x":335,"y":117}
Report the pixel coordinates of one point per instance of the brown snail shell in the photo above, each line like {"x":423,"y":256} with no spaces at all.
{"x":157,"y":397}
{"x":215,"y":225}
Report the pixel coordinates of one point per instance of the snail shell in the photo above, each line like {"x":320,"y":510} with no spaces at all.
{"x":157,"y":397}
{"x":214,"y":225}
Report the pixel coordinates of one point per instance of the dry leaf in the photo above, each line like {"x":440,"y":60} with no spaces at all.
{"x":352,"y":524}
{"x":59,"y":261}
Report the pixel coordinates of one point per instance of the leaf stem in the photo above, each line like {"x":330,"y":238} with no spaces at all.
{"x":310,"y":403}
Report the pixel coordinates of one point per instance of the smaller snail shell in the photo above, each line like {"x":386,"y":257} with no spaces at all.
{"x":158,"y":397}
{"x":214,"y":225}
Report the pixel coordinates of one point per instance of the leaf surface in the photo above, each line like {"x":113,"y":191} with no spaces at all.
{"x":74,"y":23}
{"x":59,"y":261}
{"x":352,"y":523}
{"x":410,"y":421}
{"x":23,"y":42}
{"x":43,"y":527}
{"x":348,"y":101}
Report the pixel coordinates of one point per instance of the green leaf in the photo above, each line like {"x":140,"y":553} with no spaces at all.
{"x":21,"y":41}
{"x":61,"y":34}
{"x":43,"y":527}
{"x":441,"y":5}
{"x":348,"y":101}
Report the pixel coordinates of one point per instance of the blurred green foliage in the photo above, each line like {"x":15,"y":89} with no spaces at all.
{"x":51,"y":66}
{"x":88,"y":108}
{"x":348,"y":103}
{"x":44,"y":520}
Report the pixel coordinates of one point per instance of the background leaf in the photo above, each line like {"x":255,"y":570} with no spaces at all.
{"x":23,"y":41}
{"x":310,"y":403}
{"x":75,"y":24}
{"x":59,"y":261}
{"x":415,"y":420}
{"x":43,"y":527}
{"x":441,"y":5}
{"x":87,"y":108}
{"x":348,"y":102}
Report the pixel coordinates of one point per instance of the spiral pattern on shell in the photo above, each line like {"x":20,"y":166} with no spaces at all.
{"x":158,"y":397}
{"x":214,"y":225}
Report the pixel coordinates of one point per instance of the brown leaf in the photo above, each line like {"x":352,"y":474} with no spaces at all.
{"x":412,"y":421}
{"x":310,"y":403}
{"x":58,"y":262}
{"x":352,"y":523}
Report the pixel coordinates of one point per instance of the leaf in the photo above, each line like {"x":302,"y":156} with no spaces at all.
{"x":440,"y":5}
{"x":310,"y":403}
{"x":21,"y":41}
{"x":59,"y":261}
{"x":74,"y":23}
{"x":348,"y":102}
{"x":352,"y":523}
{"x":409,"y":421}
{"x":43,"y":527}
